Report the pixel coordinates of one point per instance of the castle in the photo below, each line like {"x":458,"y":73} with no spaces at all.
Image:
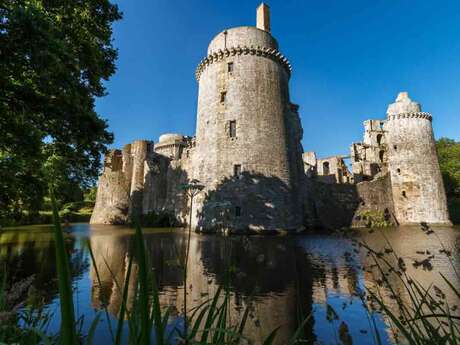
{"x":248,"y":158}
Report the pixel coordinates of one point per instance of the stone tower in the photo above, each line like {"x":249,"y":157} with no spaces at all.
{"x":247,"y":133}
{"x":417,"y":186}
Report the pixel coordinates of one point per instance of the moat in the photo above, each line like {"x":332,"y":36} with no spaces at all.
{"x":277,"y":276}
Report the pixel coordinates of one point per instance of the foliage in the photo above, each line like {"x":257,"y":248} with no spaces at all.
{"x":54,"y":57}
{"x":20,"y":303}
{"x":90,"y":194}
{"x":374,"y":219}
{"x":449,"y":162}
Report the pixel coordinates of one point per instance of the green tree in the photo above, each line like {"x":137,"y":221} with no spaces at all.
{"x":449,"y":161}
{"x":54,"y":57}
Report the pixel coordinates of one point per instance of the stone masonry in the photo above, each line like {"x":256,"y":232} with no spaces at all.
{"x":247,"y":155}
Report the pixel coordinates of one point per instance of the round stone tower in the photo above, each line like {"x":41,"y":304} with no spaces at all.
{"x":417,"y":186}
{"x":241,"y":154}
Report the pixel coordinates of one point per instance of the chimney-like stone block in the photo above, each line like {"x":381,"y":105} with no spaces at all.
{"x":263,"y":17}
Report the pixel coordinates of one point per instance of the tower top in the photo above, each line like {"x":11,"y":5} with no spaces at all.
{"x":403,"y":104}
{"x":263,"y":17}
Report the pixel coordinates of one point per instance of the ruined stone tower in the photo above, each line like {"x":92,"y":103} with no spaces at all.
{"x":417,"y":186}
{"x":244,"y":122}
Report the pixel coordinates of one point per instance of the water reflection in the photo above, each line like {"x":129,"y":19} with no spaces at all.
{"x":280,"y":279}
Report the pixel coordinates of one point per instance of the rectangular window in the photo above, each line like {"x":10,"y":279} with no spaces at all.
{"x":232,"y":129}
{"x":223,"y":95}
{"x":230,"y":67}
{"x":237,"y":211}
{"x":237,"y":170}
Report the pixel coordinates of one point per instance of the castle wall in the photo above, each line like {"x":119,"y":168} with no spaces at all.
{"x":336,"y":205}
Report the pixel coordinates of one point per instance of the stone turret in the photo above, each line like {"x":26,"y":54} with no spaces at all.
{"x":243,"y":123}
{"x":417,"y":186}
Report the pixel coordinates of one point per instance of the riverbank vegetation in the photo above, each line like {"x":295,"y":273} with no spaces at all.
{"x":449,"y":161}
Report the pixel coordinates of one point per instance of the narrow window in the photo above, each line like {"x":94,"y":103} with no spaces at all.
{"x":404,"y":193}
{"x":237,"y":211}
{"x":223,"y":95}
{"x":398,"y":171}
{"x":381,"y":155}
{"x":232,"y":131}
{"x":230,"y":67}
{"x":326,"y":168}
{"x":379,"y":139}
{"x":237,"y":170}
{"x":395,"y":147}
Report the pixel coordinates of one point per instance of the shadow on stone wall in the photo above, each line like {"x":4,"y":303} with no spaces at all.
{"x":250,"y":201}
{"x":334,"y":206}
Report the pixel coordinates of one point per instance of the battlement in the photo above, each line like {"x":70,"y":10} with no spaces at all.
{"x":220,"y":55}
{"x":419,"y":115}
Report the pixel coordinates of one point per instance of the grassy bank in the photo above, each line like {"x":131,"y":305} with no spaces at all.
{"x":74,"y":212}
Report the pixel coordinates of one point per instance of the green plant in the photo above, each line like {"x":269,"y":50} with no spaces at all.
{"x":421,"y":315}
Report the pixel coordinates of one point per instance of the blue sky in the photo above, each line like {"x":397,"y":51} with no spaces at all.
{"x":349,"y":58}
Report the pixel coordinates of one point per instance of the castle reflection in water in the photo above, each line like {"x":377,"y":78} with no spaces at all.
{"x":280,"y":279}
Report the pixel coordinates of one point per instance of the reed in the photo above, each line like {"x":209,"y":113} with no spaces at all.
{"x":419,"y":315}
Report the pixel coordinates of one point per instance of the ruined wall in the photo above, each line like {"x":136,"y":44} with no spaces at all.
{"x":332,"y":170}
{"x":334,"y":206}
{"x":112,"y":201}
{"x":243,"y":84}
{"x":417,"y":186}
{"x":120,"y":187}
{"x":370,"y":157}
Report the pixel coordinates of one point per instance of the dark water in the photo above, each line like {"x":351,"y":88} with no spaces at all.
{"x":279,"y":278}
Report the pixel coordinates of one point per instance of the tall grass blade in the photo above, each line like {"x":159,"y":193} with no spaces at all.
{"x":271,"y":337}
{"x":68,"y":333}
{"x":394,"y":318}
{"x":211,"y":316}
{"x":143,"y":302}
{"x":243,"y":321}
{"x":124,"y":299}
{"x":454,"y":289}
{"x":92,"y":329}
{"x":197,"y":323}
{"x":156,"y":317}
{"x":221,"y":323}
{"x":99,"y":281}
{"x":295,"y":337}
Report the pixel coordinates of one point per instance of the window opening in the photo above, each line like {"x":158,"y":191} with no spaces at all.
{"x":232,"y":131}
{"x":326,"y":168}
{"x":223,"y":96}
{"x":237,"y":170}
{"x":237,"y":211}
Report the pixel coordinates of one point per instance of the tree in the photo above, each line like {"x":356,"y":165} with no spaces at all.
{"x":54,"y":57}
{"x":449,"y":162}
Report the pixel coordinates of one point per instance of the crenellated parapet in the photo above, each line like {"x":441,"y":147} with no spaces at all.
{"x":269,"y":53}
{"x":417,"y":115}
